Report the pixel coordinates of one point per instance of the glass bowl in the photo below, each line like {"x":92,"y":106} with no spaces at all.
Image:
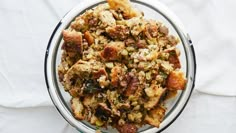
{"x":152,"y":10}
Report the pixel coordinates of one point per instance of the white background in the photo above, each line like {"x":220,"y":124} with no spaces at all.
{"x":25,"y":28}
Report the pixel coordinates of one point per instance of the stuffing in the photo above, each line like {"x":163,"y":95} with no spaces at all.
{"x":119,"y":67}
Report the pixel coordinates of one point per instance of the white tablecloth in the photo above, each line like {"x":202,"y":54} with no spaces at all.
{"x":25,"y":28}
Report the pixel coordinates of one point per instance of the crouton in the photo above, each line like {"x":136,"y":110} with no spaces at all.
{"x":176,"y":80}
{"x":155,"y":116}
{"x":90,"y":101}
{"x":77,"y":108}
{"x":125,"y":6}
{"x":154,"y":92}
{"x":118,"y":32}
{"x":73,"y":41}
{"x":111,"y":51}
{"x":81,"y":69}
{"x":107,"y":18}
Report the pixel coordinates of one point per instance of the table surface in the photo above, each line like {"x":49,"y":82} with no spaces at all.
{"x":26,"y":26}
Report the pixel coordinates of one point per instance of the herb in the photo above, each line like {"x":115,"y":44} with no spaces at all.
{"x":164,"y":75}
{"x":172,"y":53}
{"x":91,"y":87}
{"x":102,"y":114}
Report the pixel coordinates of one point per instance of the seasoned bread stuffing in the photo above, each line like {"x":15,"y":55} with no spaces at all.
{"x":119,"y":67}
